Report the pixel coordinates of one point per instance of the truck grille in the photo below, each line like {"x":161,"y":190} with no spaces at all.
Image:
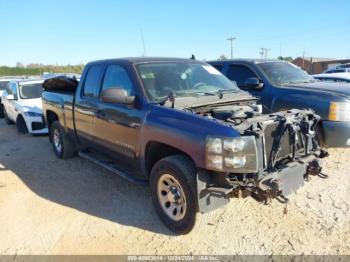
{"x":272,"y":131}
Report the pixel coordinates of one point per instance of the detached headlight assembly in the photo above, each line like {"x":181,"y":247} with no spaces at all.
{"x":32,"y":114}
{"x":339,"y":111}
{"x":234,"y":155}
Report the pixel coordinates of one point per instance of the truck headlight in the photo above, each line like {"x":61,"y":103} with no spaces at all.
{"x":339,"y":111}
{"x":234,"y":155}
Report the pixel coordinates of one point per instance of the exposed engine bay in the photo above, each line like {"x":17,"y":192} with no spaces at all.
{"x":288,"y":151}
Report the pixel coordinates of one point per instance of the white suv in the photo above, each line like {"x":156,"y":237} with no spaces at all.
{"x":22,"y":105}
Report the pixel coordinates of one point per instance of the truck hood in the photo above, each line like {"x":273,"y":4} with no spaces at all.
{"x":337,"y":88}
{"x":208,"y":100}
{"x":32,"y":105}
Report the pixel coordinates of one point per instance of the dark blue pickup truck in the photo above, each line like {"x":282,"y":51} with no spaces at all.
{"x":184,"y":129}
{"x":281,"y":85}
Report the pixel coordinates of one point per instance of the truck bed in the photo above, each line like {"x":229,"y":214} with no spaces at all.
{"x":60,"y":103}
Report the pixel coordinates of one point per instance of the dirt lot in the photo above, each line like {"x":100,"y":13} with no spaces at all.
{"x":50,"y":206}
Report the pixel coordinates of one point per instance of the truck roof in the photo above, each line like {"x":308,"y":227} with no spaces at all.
{"x":136,"y":60}
{"x":247,"y":60}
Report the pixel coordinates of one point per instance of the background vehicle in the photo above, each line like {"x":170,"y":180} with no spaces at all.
{"x":281,"y":85}
{"x":3,"y":85}
{"x":185,"y":129}
{"x":336,"y":77}
{"x":337,"y":70}
{"x":22,"y":105}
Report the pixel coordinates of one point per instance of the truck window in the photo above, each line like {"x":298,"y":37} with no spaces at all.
{"x":239,"y":74}
{"x":218,"y":67}
{"x":117,"y":77}
{"x":91,"y":85}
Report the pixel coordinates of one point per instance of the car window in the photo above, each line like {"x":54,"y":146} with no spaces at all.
{"x":240,"y":74}
{"x":117,"y":77}
{"x":9,"y":88}
{"x":92,"y":80}
{"x":14,"y":90}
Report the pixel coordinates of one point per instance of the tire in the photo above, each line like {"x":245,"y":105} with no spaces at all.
{"x":183,"y":172}
{"x":21,"y":125}
{"x":62,"y":145}
{"x":7,"y":120}
{"x":1,"y":110}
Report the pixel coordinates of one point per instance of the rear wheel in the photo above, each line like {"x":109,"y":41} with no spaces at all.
{"x":7,"y":120}
{"x":62,"y":145}
{"x":21,"y":125}
{"x":174,"y":194}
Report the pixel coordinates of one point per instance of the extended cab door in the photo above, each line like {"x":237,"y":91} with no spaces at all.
{"x":116,"y":127}
{"x":86,"y":101}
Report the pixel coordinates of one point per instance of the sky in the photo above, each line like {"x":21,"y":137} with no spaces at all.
{"x":78,"y":31}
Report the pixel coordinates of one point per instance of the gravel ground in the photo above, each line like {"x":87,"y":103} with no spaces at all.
{"x":52,"y":206}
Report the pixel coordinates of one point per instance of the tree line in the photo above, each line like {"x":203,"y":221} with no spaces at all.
{"x":38,"y":69}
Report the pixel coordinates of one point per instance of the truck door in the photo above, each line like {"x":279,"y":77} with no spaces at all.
{"x":240,"y":73}
{"x":117,"y":126}
{"x":86,"y":104}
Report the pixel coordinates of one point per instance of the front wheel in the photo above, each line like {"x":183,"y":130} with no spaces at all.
{"x":62,"y":145}
{"x":173,"y":189}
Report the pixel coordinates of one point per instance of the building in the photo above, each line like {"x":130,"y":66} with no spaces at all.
{"x":316,"y":65}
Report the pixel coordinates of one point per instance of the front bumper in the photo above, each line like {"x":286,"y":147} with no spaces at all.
{"x":336,"y":134}
{"x":214,"y":190}
{"x":36,"y":125}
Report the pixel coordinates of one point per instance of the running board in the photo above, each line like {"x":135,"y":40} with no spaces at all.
{"x":110,"y":167}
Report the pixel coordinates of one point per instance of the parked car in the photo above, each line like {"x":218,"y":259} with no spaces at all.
{"x":3,"y":85}
{"x":280,"y":85}
{"x":183,"y":128}
{"x":336,"y":70}
{"x":346,"y":65}
{"x":336,"y":77}
{"x":22,"y":106}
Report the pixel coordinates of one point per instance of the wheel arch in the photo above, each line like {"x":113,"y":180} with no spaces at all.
{"x":156,"y":151}
{"x":51,"y":117}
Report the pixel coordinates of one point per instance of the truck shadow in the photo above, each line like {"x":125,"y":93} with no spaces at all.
{"x":79,"y":184}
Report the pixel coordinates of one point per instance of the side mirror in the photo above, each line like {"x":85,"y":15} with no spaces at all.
{"x":10,"y":97}
{"x":253,"y":82}
{"x":117,"y":96}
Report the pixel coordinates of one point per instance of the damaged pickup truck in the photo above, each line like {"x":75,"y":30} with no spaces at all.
{"x":184,"y":129}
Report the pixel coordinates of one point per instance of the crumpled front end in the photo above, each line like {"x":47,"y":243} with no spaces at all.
{"x":287,"y":154}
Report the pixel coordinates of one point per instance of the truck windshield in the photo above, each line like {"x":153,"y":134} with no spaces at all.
{"x":30,"y":91}
{"x":182,"y":79}
{"x":283,"y":73}
{"x":3,"y":85}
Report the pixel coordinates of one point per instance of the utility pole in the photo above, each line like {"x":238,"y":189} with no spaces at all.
{"x":231,"y":39}
{"x":263,"y":52}
{"x":304,"y":59}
